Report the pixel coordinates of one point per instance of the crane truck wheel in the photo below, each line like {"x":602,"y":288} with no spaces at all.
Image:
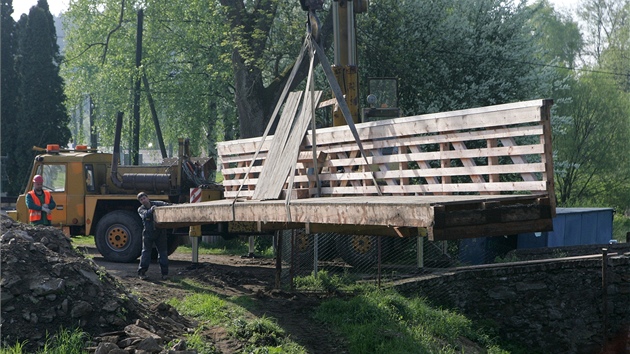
{"x":119,"y":236}
{"x":172,"y":242}
{"x":360,"y":251}
{"x":303,"y":246}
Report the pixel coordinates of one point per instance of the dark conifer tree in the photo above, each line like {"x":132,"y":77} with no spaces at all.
{"x":43,"y":118}
{"x":9,"y":93}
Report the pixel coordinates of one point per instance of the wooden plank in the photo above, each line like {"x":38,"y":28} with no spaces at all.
{"x":400,"y":211}
{"x":364,"y":230}
{"x":498,"y":229}
{"x":414,"y":140}
{"x":275,"y":161}
{"x":283,"y":154}
{"x":432,"y":123}
{"x":417,"y":156}
{"x":510,"y":142}
{"x":240,"y":146}
{"x":430,"y":172}
{"x":468,"y":163}
{"x":547,"y":157}
{"x":330,"y":102}
{"x":233,"y":194}
{"x":401,"y":153}
{"x":244,"y":145}
{"x":442,"y":188}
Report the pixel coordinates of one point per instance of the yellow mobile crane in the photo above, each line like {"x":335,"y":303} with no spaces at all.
{"x":96,"y":196}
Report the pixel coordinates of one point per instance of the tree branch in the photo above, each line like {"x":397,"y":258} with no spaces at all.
{"x":120,"y":20}
{"x":84,"y":50}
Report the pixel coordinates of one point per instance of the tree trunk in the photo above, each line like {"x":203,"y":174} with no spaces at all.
{"x":249,"y":92}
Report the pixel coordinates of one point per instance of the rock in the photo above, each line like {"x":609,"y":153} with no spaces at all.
{"x":46,"y":285}
{"x":137,"y":331}
{"x":5,"y":298}
{"x":41,"y":287}
{"x":111,"y":306}
{"x":149,"y":345}
{"x":180,"y":345}
{"x":124,"y":343}
{"x":108,"y":348}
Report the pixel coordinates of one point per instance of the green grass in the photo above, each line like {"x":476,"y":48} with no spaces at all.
{"x":63,"y":342}
{"x":236,"y":246}
{"x":621,"y":226}
{"x":83,"y":241}
{"x":325,"y":282}
{"x":374,"y":321}
{"x":260,"y":335}
{"x":221,"y":247}
{"x":196,"y":341}
{"x":380,"y":321}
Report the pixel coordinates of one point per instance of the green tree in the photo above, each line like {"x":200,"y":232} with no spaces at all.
{"x":187,"y":58}
{"x":42,"y":117}
{"x":616,"y":57}
{"x":591,"y":144}
{"x":591,"y":113}
{"x":9,"y":103}
{"x":176,"y":63}
{"x":454,"y":54}
{"x":558,"y":35}
{"x":603,"y":19}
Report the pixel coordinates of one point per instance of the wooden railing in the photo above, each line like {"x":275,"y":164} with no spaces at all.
{"x":503,"y":149}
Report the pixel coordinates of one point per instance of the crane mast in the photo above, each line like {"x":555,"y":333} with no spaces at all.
{"x":345,"y":66}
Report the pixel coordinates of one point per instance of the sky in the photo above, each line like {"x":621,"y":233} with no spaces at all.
{"x":58,"y":6}
{"x":22,"y":6}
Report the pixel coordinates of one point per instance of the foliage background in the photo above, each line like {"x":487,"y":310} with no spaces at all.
{"x":215,"y":69}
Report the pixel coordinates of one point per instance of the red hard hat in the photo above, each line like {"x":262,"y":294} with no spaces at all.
{"x":38,"y":179}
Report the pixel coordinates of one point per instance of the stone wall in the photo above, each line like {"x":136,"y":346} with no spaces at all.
{"x":548,"y":306}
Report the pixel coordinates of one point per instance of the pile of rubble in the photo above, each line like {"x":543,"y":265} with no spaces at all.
{"x":47,"y":286}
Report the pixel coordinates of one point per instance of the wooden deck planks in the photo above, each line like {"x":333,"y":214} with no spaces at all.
{"x":439,"y":214}
{"x":469,"y":173}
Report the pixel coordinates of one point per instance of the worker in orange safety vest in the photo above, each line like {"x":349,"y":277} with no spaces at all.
{"x":40,"y":203}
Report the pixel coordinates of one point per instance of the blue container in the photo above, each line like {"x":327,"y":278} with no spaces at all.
{"x":571,"y":227}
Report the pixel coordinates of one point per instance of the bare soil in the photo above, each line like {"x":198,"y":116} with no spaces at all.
{"x":47,"y":285}
{"x":233,"y":276}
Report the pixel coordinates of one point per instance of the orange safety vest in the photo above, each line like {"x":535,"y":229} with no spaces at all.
{"x":36,"y":215}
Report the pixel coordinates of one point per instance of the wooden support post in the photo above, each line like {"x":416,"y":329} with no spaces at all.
{"x":278,"y":258}
{"x":605,"y":294}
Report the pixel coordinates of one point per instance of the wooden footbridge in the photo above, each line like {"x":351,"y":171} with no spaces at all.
{"x":469,"y":173}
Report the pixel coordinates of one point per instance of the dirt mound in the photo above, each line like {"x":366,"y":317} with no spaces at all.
{"x":47,"y":285}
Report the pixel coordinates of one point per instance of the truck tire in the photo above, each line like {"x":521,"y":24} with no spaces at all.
{"x":297,"y":247}
{"x":172,"y":242}
{"x":360,"y":251}
{"x":119,"y":236}
{"x":305,"y":245}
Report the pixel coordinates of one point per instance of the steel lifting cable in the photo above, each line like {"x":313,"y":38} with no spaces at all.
{"x":334,"y":85}
{"x":310,"y":90}
{"x":271,"y":120}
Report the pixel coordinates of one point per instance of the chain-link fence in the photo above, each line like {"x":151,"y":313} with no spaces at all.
{"x":381,"y":258}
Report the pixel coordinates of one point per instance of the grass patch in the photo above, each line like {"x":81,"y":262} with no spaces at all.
{"x":197,"y":342}
{"x":208,"y":307}
{"x":325,"y":282}
{"x":621,"y":226}
{"x":63,"y":342}
{"x":235,"y":246}
{"x":83,"y":241}
{"x":383,"y":321}
{"x":261,"y":335}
